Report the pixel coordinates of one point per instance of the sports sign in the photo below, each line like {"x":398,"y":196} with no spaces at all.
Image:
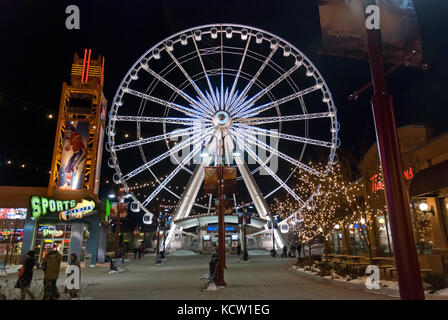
{"x":68,"y":209}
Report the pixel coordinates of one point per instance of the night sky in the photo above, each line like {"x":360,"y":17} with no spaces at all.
{"x":37,"y":51}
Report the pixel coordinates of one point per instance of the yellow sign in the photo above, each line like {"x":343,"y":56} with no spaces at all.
{"x":82,"y":209}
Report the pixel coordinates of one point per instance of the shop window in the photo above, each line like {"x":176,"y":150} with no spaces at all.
{"x":384,"y":234}
{"x":423,"y":229}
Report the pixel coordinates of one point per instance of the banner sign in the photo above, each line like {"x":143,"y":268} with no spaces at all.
{"x":73,"y":158}
{"x":68,"y":209}
{"x":343,"y":25}
{"x":13,"y":213}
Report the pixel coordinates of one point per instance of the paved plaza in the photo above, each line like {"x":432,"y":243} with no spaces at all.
{"x":266,"y":278}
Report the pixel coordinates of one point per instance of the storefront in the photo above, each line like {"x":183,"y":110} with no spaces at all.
{"x":29,"y":220}
{"x":425,"y":160}
{"x":12,"y":221}
{"x":69,"y":226}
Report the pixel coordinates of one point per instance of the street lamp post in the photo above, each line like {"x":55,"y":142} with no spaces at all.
{"x":274,"y":254}
{"x":245,"y":254}
{"x":221,"y":227}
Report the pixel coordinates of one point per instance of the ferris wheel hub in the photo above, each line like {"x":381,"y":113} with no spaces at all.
{"x":222,"y":119}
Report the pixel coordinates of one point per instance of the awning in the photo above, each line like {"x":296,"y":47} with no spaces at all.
{"x":430,"y":180}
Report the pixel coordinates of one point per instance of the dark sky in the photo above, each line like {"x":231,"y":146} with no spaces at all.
{"x":37,"y":50}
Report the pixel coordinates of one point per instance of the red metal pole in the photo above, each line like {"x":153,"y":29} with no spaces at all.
{"x":407,"y":264}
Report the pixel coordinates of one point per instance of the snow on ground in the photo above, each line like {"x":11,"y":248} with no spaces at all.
{"x":183,"y":253}
{"x":362,"y":280}
{"x":258,"y":252}
{"x":11,"y":269}
{"x":443,"y":292}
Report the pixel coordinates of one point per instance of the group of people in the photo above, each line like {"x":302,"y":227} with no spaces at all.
{"x":51,"y":266}
{"x":292,"y":251}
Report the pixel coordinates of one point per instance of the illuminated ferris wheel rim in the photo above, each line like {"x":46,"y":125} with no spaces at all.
{"x":196,"y":33}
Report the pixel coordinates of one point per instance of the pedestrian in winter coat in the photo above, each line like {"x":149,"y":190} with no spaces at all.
{"x":74,"y":262}
{"x":299,"y":250}
{"x":141,"y":250}
{"x":51,"y":266}
{"x":26,"y":276}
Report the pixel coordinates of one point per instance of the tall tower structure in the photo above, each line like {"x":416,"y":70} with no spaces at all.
{"x":77,"y":154}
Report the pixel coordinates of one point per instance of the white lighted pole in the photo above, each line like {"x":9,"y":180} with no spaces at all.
{"x":220,"y":84}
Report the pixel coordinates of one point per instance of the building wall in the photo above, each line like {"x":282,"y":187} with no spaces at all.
{"x":420,"y":150}
{"x":19,"y":197}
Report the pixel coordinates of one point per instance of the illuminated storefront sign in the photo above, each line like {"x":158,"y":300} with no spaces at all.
{"x":52,"y":232}
{"x":378,"y":185}
{"x":68,"y":209}
{"x":82,"y":209}
{"x":212,"y":228}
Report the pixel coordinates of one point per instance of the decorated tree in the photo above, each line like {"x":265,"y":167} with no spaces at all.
{"x":333,"y":198}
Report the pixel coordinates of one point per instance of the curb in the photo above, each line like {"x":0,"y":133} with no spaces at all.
{"x":354,"y":286}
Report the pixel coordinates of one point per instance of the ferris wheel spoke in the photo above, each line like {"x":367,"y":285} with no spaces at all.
{"x":231,"y":97}
{"x":254,"y":111}
{"x":250,"y":138}
{"x":306,"y":116}
{"x":192,"y":102}
{"x":172,"y":134}
{"x":185,"y":161}
{"x":241,"y":141}
{"x":187,"y":76}
{"x":188,"y":111}
{"x":269,"y":133}
{"x":191,"y":140}
{"x":253,"y":80}
{"x":246,"y":105}
{"x":182,"y":121}
{"x":205,"y":73}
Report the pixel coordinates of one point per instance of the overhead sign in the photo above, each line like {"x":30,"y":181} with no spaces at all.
{"x":68,"y":209}
{"x":344,"y":33}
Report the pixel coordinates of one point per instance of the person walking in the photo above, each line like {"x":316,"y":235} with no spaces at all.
{"x":140,"y":249}
{"x":74,"y":262}
{"x":285,"y":251}
{"x":299,"y":250}
{"x":26,"y":276}
{"x":238,"y":249}
{"x":51,"y":267}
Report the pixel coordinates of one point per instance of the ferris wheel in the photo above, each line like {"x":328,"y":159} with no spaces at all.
{"x":220,"y":93}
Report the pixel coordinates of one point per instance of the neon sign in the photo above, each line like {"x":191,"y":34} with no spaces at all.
{"x":68,"y":209}
{"x":52,"y":232}
{"x":378,"y":185}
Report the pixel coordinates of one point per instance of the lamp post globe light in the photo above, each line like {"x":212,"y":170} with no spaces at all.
{"x":226,"y":86}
